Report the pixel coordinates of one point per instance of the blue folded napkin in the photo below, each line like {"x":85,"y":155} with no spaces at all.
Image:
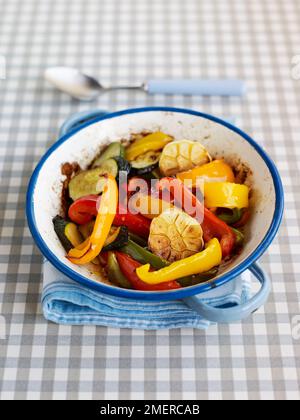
{"x":65,"y":301}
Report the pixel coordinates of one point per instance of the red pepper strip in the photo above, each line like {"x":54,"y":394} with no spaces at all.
{"x":182,"y":197}
{"x":103,"y":256}
{"x":243,"y":220}
{"x":128,"y":266}
{"x":136,"y":223}
{"x":83,"y":209}
{"x":212,"y":226}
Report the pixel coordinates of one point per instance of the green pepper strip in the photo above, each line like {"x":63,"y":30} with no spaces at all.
{"x":138,"y":239}
{"x":197,"y":278}
{"x":239,"y":236}
{"x":115,"y":274}
{"x":143,"y":256}
{"x":231,"y":217}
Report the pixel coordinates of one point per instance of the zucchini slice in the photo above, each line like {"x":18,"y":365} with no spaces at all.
{"x":113,"y":166}
{"x":146,"y":162}
{"x":117,"y":238}
{"x":72,"y":233}
{"x":87,"y":182}
{"x":67,"y":233}
{"x":123,"y":164}
{"x":110,"y":166}
{"x":92,"y":181}
{"x":114,"y":149}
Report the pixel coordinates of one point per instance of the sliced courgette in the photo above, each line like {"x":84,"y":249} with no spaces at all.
{"x":123,"y":164}
{"x":115,"y":149}
{"x":146,"y":163}
{"x":87,"y":182}
{"x":110,"y":166}
{"x":67,"y":233}
{"x":117,"y":238}
{"x":72,"y":233}
{"x":113,"y":166}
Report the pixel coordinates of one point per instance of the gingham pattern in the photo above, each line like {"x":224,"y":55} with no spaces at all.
{"x":130,"y":41}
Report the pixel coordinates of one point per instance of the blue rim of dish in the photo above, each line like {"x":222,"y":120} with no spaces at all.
{"x":170,"y":294}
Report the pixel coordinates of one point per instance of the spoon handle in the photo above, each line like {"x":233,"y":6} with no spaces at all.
{"x":209,"y":87}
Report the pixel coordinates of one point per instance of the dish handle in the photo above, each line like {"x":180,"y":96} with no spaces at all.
{"x":238,"y":312}
{"x":75,"y":120}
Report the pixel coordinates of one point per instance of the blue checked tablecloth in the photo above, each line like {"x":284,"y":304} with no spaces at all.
{"x":130,"y":41}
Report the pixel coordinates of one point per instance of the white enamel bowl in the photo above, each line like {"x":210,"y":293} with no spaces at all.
{"x":220,"y":138}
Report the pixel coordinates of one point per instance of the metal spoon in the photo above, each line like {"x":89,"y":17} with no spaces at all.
{"x":84,"y":87}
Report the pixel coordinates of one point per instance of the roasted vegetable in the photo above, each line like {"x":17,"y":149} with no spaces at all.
{"x":149,"y":206}
{"x":115,"y":149}
{"x":92,"y":246}
{"x":239,"y":237}
{"x":182,"y":155}
{"x":67,"y":232}
{"x":114,"y":272}
{"x":212,"y":226}
{"x":230,"y":216}
{"x":145,"y":163}
{"x":217,"y":169}
{"x":151,"y":142}
{"x":226,"y":194}
{"x":175,"y":235}
{"x":136,"y":223}
{"x":117,"y":238}
{"x":123,"y":164}
{"x":156,"y":173}
{"x":109,"y":166}
{"x":198,"y":278}
{"x":129,"y":266}
{"x":114,"y":165}
{"x":244,"y":219}
{"x":195,"y":264}
{"x":142,"y":255}
{"x":138,"y":239}
{"x":83,"y":209}
{"x":87,"y":229}
{"x":87,"y":182}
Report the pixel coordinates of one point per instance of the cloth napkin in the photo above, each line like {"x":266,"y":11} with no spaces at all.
{"x":65,"y":301}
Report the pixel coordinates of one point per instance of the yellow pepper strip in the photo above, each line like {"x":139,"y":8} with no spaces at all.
{"x":226,"y":194}
{"x":214,"y":169}
{"x":149,"y":206}
{"x":83,"y":247}
{"x":154,"y":141}
{"x":80,"y":249}
{"x":196,"y":264}
{"x":103,"y":222}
